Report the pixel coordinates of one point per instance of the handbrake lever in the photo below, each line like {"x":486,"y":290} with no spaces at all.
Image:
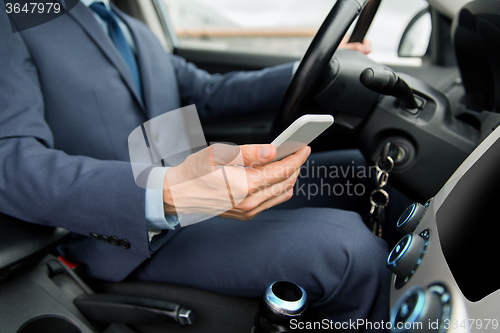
{"x":106,"y":308}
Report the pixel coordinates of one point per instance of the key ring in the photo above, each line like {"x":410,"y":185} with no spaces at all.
{"x":385,"y":196}
{"x":382,"y":178}
{"x":391,"y":164}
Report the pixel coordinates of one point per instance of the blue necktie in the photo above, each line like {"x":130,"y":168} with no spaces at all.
{"x":120,"y":41}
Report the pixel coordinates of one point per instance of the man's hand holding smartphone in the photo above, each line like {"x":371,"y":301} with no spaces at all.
{"x":213,"y":181}
{"x":242,"y":181}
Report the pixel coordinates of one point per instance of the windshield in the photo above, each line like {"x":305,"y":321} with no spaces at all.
{"x":284,"y":27}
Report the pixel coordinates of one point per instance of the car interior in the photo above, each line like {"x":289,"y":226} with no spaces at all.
{"x":437,"y":123}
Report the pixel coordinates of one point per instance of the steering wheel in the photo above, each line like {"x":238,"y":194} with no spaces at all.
{"x":315,"y":62}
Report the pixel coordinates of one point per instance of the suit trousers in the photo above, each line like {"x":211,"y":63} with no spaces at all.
{"x":328,"y":251}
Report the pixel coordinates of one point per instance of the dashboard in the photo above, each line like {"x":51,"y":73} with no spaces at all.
{"x":444,"y":273}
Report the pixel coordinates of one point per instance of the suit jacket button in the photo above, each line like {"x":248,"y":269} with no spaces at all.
{"x":94,"y":235}
{"x":104,"y":238}
{"x":125,"y":244}
{"x":114,"y":240}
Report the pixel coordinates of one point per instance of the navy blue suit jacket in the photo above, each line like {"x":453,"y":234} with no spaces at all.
{"x":67,"y":106}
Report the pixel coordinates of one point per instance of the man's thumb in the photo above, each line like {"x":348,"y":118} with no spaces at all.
{"x":258,"y":154}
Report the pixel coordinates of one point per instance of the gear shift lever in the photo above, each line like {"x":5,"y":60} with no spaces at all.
{"x":281,"y":303}
{"x":385,"y":81}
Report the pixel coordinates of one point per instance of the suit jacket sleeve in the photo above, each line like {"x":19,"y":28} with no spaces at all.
{"x":235,"y":93}
{"x":46,"y":186}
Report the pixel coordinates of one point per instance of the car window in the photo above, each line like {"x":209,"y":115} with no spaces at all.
{"x":282,"y":27}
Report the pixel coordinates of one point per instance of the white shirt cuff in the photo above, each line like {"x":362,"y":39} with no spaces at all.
{"x":155,"y":214}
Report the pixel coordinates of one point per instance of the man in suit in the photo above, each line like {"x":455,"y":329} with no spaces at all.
{"x":69,"y":98}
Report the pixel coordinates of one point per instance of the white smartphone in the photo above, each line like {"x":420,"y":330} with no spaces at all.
{"x":300,"y":133}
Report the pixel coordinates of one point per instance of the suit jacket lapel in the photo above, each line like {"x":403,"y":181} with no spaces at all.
{"x":82,"y":15}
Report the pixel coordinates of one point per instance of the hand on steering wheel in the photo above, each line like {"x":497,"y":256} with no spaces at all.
{"x":315,"y":61}
{"x":365,"y":47}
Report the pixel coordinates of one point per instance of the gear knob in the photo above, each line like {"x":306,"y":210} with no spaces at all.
{"x":281,"y":302}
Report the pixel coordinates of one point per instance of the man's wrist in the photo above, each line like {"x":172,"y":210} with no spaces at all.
{"x":168,"y":200}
